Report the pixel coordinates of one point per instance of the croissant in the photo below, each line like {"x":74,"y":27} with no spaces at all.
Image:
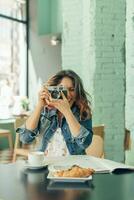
{"x":74,"y":171}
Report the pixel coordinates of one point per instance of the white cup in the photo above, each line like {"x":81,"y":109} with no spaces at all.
{"x":36,"y":158}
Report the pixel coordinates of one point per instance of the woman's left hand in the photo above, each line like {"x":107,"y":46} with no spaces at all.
{"x":61,"y":104}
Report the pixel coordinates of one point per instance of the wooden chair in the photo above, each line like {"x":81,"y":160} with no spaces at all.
{"x":127,"y":140}
{"x":96,"y":148}
{"x":19,"y":148}
{"x":8,"y":135}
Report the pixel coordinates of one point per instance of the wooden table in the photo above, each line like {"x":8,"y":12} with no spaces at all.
{"x":33,"y":185}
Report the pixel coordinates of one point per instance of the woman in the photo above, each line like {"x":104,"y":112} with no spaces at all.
{"x":63,"y":125}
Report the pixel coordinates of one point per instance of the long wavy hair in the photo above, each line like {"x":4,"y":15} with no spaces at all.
{"x":81,"y":100}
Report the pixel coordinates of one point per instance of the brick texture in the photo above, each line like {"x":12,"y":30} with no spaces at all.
{"x":94,"y":46}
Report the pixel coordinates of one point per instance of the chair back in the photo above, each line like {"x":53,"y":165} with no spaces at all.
{"x":127,"y":140}
{"x":19,"y":121}
{"x":96,"y":148}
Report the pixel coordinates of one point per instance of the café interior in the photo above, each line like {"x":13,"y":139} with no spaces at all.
{"x":94,"y":38}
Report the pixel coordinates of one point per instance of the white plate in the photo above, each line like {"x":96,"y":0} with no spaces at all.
{"x":68,"y":179}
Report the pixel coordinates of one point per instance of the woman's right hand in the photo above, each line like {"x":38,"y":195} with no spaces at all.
{"x":44,"y":96}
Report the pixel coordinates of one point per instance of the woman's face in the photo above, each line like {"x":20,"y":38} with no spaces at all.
{"x":71,"y":94}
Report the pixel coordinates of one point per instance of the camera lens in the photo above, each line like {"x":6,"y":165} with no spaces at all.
{"x":55,"y":94}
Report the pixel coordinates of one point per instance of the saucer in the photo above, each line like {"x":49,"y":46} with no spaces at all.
{"x":29,"y":166}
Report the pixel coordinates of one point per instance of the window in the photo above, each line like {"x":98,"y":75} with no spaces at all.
{"x":14,"y":46}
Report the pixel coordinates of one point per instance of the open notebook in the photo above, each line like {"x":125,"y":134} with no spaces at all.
{"x":105,"y":166}
{"x":100,"y":165}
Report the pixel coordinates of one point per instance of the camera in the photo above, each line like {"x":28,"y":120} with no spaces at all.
{"x":55,"y":91}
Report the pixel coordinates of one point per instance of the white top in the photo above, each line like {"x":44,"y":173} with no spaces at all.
{"x":57,"y":145}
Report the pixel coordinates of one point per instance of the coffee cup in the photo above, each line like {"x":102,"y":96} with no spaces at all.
{"x":36,"y":158}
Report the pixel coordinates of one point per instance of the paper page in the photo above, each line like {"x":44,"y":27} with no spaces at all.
{"x":95,"y":163}
{"x":83,"y":161}
{"x":112,"y":165}
{"x":100,"y":165}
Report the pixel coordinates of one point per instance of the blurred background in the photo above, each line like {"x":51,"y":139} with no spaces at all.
{"x":92,"y":37}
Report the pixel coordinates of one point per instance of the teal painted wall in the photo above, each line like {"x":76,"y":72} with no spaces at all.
{"x":3,"y":141}
{"x":56,"y":16}
{"x":49,"y":16}
{"x":44,"y":17}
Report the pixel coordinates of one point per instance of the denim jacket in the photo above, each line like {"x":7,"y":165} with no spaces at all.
{"x":48,"y":123}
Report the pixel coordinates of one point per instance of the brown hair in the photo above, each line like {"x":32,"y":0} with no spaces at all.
{"x":81,"y":95}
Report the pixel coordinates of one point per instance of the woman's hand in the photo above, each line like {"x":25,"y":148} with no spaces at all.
{"x":44,"y":97}
{"x":64,"y":107}
{"x":61,"y":104}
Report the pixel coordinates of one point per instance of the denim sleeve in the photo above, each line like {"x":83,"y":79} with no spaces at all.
{"x":84,"y":139}
{"x":27,"y":136}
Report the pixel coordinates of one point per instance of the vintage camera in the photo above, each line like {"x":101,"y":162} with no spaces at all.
{"x":55,"y":91}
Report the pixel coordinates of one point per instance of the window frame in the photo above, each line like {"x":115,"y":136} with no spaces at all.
{"x":26,"y":23}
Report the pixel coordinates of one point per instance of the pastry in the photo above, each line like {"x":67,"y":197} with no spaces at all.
{"x":74,"y":171}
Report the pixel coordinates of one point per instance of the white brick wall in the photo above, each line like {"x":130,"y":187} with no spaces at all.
{"x":72,"y":36}
{"x":93,"y":46}
{"x":109,"y":90}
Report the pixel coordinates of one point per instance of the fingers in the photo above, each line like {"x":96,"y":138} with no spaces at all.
{"x":48,"y":102}
{"x":63,"y":96}
{"x":54,"y":103}
{"x":44,"y":94}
